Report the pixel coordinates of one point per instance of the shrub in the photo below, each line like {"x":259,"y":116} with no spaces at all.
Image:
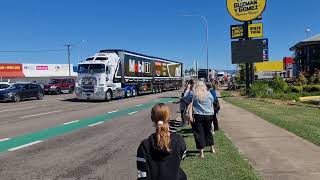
{"x":296,"y":89}
{"x":279,"y":85}
{"x":311,"y":88}
{"x":315,"y":79}
{"x":301,"y":80}
{"x":259,"y":89}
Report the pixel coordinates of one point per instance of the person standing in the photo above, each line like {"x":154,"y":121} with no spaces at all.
{"x":159,"y":156}
{"x":216,"y":106}
{"x":203,"y":112}
{"x":185,"y":100}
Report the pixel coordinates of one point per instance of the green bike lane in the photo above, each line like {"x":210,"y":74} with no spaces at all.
{"x":26,"y":140}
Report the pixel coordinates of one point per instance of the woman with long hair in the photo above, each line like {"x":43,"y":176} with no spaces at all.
{"x":203,"y":112}
{"x":160,"y":155}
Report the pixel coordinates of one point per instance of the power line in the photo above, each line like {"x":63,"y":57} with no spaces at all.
{"x":32,"y":51}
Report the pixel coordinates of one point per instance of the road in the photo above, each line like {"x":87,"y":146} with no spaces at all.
{"x":62,"y":138}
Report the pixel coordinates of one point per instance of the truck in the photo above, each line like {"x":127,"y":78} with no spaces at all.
{"x":116,"y":73}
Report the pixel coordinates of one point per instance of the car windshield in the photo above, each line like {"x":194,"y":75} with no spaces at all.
{"x":17,"y":86}
{"x":54,"y":81}
{"x":92,"y":68}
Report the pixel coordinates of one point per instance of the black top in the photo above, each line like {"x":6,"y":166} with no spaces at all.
{"x":157,"y":164}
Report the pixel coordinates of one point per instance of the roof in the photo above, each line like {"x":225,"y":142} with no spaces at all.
{"x":310,"y":41}
{"x":152,"y":57}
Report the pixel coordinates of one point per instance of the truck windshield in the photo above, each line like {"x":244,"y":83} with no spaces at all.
{"x":92,"y":68}
{"x":54,"y":81}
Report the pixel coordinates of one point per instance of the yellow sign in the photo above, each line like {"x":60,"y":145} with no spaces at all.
{"x":255,"y":30}
{"x":246,"y":10}
{"x":237,"y":31}
{"x":269,"y":66}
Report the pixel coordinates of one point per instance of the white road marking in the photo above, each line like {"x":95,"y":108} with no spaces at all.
{"x":25,"y":145}
{"x":7,"y":110}
{"x":113,"y":111}
{"x":139,"y":105}
{"x":95,"y":124}
{"x":71,"y":122}
{"x":5,"y":139}
{"x":40,"y":114}
{"x":133,"y":112}
{"x":156,"y":100}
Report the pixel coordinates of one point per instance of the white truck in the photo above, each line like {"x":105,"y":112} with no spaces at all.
{"x":114,"y":73}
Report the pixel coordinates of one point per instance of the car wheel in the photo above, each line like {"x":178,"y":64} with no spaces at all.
{"x":71,"y":90}
{"x":108,"y":96}
{"x":40,"y":96}
{"x":16,"y":98}
{"x":58,"y":91}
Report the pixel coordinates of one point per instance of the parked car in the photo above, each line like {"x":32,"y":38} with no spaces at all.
{"x":4,"y":85}
{"x":58,"y":86}
{"x":20,"y":91}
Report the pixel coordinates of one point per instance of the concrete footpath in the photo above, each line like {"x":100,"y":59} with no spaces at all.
{"x":274,"y":152}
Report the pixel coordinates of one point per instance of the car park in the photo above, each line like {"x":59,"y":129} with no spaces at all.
{"x":58,"y":86}
{"x":21,"y":91}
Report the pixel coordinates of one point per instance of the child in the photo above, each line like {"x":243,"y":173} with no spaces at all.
{"x":159,"y":156}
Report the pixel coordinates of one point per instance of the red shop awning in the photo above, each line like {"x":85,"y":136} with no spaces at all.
{"x":11,"y":74}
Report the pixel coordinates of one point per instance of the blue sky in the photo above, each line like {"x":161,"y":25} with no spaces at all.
{"x":146,"y":26}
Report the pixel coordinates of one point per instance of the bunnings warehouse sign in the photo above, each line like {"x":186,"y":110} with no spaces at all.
{"x":246,"y":10}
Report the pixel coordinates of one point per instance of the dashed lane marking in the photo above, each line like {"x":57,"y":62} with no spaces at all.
{"x":95,"y":124}
{"x":139,"y":105}
{"x":8,"y":110}
{"x":132,"y":112}
{"x":51,"y":112}
{"x":113,"y":111}
{"x":71,"y":122}
{"x":25,"y":145}
{"x":5,"y":139}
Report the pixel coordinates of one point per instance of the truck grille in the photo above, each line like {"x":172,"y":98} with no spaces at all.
{"x":88,"y":84}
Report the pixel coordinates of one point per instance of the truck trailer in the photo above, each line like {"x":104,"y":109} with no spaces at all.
{"x":115,"y":73}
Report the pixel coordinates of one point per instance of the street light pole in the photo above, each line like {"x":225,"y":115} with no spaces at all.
{"x":69,"y":61}
{"x":207,"y":38}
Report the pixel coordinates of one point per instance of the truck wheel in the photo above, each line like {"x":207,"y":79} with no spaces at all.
{"x":108,"y":96}
{"x":134,"y":92}
{"x":128,"y":93}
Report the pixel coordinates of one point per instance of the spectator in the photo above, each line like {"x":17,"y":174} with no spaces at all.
{"x":159,"y":156}
{"x":216,"y":106}
{"x":203,"y":114}
{"x":185,"y":102}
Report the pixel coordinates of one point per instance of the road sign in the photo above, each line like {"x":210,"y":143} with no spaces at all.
{"x":246,"y":10}
{"x":238,"y":31}
{"x":265,"y":44}
{"x":255,"y":30}
{"x":247,"y":51}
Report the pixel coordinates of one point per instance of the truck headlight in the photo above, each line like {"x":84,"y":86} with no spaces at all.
{"x":100,"y":89}
{"x":9,"y":94}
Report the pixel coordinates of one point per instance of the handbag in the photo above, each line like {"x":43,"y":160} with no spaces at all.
{"x":188,"y":115}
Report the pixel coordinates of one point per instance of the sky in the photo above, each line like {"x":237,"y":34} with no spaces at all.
{"x":149,"y":27}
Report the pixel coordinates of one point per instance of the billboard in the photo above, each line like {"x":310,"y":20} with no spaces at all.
{"x":246,"y":10}
{"x":248,"y":51}
{"x":47,"y":70}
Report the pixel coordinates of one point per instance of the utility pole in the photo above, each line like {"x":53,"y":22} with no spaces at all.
{"x":69,"y":61}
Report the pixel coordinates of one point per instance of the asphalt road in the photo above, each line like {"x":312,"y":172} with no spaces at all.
{"x":62,"y":138}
